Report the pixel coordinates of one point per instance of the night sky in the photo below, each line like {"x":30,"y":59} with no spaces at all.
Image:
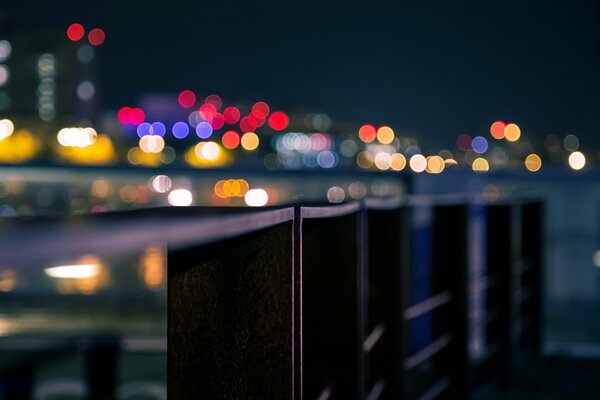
{"x":430,"y":68}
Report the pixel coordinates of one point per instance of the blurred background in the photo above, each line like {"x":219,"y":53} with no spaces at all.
{"x":127,"y":105}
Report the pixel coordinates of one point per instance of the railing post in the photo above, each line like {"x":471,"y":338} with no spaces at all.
{"x":450,"y":272}
{"x":389,"y":252}
{"x":331,"y":301}
{"x":230,"y":318}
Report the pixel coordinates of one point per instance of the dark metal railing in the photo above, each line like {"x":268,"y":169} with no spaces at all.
{"x":321,"y":302}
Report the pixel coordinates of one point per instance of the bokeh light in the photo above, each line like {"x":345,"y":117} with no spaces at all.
{"x":248,"y":124}
{"x":512,"y":132}
{"x":571,"y":142}
{"x":497,"y":130}
{"x":480,"y":165}
{"x":136,"y":116}
{"x":231,"y":139}
{"x":158,"y":128}
{"x":180,"y":130}
{"x":398,"y":162}
{"x":180,"y":198}
{"x":250,"y":141}
{"x":533,"y":163}
{"x":278,"y":121}
{"x":418,"y":163}
{"x":479,"y":144}
{"x":96,"y":37}
{"x":256,"y":197}
{"x":75,"y":32}
{"x":186,"y":99}
{"x":577,"y":160}
{"x":385,"y":135}
{"x":260,"y":110}
{"x":6,"y":128}
{"x":215,"y":100}
{"x":463,"y":142}
{"x":336,"y":194}
{"x":231,"y":115}
{"x":367,"y":133}
{"x":435,"y":165}
{"x":160,"y":183}
{"x":204,"y":130}
{"x":383,"y":161}
{"x":143,"y":129}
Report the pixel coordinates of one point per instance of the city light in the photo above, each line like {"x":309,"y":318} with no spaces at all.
{"x":533,"y":162}
{"x":577,"y":160}
{"x":180,"y":198}
{"x":512,"y":132}
{"x":256,"y":197}
{"x":6,"y":128}
{"x":73,"y":271}
{"x":418,"y":163}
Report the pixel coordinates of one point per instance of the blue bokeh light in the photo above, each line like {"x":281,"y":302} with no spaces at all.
{"x":204,"y":130}
{"x":180,"y":130}
{"x":158,"y":128}
{"x":479,"y":144}
{"x":143,"y":129}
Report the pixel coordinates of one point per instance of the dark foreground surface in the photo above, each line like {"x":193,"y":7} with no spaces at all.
{"x":554,"y":378}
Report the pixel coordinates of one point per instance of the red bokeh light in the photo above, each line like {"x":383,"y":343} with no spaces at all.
{"x":136,"y":116}
{"x":123,"y":115}
{"x":186,"y":98}
{"x":231,"y":139}
{"x":278,"y":121}
{"x":463,"y":142}
{"x":215,"y":100}
{"x":217,"y":121}
{"x":206,"y":111}
{"x":96,"y":37}
{"x":259,"y":121}
{"x":248,"y":124}
{"x":260,"y":110}
{"x":497,"y":129}
{"x":231,"y":115}
{"x":75,"y":32}
{"x":367,"y":133}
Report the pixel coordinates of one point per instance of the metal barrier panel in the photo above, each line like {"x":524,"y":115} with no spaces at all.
{"x":499,"y":300}
{"x":450,"y":274}
{"x":532,"y":275}
{"x":230,"y":318}
{"x":332,"y":287}
{"x":388,"y":261}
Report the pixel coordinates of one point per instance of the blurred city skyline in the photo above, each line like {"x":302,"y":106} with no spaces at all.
{"x":430,"y":70}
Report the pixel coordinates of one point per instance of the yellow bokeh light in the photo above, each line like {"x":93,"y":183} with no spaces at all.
{"x":250,"y":141}
{"x":491,"y":193}
{"x":398,"y":162}
{"x":19,"y":147}
{"x":101,"y":152}
{"x":364,"y":159}
{"x":480,"y":165}
{"x":512,"y":132}
{"x":435,"y":165}
{"x":8,"y":280}
{"x":576,"y":160}
{"x":153,"y":267}
{"x":207,"y":155}
{"x":385,"y":135}
{"x":533,"y":162}
{"x":100,"y":188}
